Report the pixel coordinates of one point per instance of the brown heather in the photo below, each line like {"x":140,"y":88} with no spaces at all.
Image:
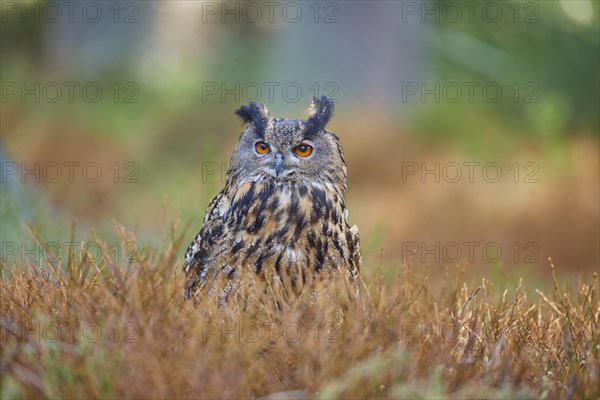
{"x":85,"y":328}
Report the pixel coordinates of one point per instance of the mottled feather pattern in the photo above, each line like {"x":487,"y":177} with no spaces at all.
{"x":288,"y":228}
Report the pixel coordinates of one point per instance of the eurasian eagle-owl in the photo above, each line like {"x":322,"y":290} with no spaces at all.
{"x":281,"y":214}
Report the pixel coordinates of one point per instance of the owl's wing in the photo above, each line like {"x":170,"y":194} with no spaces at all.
{"x":206,"y":246}
{"x":355,"y":249}
{"x":353,"y":240}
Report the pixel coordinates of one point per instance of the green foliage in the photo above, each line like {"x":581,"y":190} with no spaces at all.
{"x":545,"y":62}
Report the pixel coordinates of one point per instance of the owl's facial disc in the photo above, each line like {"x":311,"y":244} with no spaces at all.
{"x":281,"y":163}
{"x":288,"y":150}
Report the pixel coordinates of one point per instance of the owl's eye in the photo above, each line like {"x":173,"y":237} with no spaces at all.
{"x":304,"y":150}
{"x":262,"y":148}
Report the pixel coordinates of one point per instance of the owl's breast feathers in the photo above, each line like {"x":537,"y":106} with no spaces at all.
{"x":272,"y":227}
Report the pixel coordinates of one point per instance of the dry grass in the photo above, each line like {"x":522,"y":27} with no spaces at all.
{"x":100,"y":328}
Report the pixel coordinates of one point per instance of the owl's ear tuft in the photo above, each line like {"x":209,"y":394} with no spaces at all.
{"x":321,"y":111}
{"x":255,"y":114}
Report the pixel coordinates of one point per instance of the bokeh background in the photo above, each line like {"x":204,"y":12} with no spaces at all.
{"x":123,"y":112}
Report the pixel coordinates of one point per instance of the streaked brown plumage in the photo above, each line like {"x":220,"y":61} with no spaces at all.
{"x":281,"y":214}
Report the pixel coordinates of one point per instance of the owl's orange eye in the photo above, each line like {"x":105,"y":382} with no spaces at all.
{"x":262,"y":148}
{"x":304,"y":150}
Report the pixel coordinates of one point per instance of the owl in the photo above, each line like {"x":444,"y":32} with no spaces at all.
{"x":281,"y":215}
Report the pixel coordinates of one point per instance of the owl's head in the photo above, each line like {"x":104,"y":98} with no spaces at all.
{"x":283,"y":149}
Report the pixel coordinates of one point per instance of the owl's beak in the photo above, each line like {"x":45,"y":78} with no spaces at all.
{"x":278,"y":164}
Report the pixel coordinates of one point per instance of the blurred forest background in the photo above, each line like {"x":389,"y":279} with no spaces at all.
{"x":419,"y":84}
